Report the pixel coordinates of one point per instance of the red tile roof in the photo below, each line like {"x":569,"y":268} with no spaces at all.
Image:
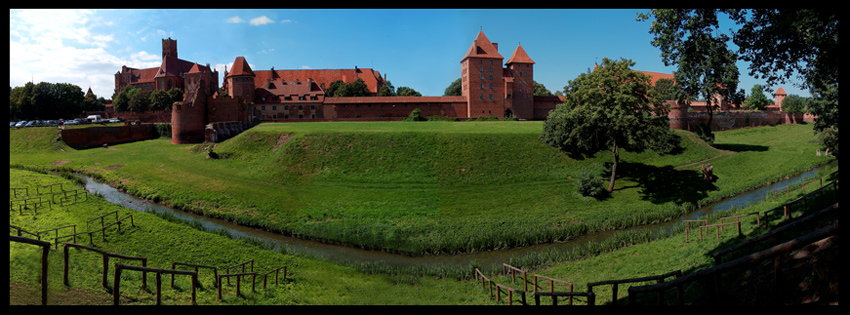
{"x":323,"y":77}
{"x":393,"y":99}
{"x":519,"y":56}
{"x":780,"y":91}
{"x":240,"y":67}
{"x":172,"y":66}
{"x":654,"y":76}
{"x":482,"y":48}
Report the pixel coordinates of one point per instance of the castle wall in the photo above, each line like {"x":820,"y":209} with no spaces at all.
{"x":81,"y":138}
{"x":188,"y":119}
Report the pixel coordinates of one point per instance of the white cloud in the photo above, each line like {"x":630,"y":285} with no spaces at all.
{"x":62,"y":46}
{"x":261,"y":20}
{"x":235,"y":19}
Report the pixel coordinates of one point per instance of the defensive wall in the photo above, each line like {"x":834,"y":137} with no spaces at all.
{"x":82,"y":138}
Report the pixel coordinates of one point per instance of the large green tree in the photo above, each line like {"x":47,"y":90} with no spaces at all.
{"x":756,"y":100}
{"x":46,"y":101}
{"x":454,"y":89}
{"x":609,"y":108}
{"x":693,"y":40}
{"x":778,"y":44}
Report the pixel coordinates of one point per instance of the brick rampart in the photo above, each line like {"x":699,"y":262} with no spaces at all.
{"x":81,"y":138}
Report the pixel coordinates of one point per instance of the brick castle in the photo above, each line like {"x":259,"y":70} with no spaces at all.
{"x":489,"y":87}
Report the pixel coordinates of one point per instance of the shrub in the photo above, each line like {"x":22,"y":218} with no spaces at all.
{"x":589,"y":185}
{"x":164,"y":130}
{"x":415,"y":115}
{"x":704,"y":132}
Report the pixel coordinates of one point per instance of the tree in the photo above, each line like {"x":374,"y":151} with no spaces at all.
{"x":778,"y":43}
{"x":159,"y":100}
{"x":757,"y":100}
{"x":794,"y":104}
{"x":540,"y":90}
{"x":339,"y":88}
{"x":406,"y":91}
{"x":609,"y":108}
{"x":139,"y":102}
{"x":121,"y":101}
{"x":454,"y":89}
{"x":691,"y":39}
{"x":387,"y":90}
{"x":176,"y":95}
{"x":668,"y":90}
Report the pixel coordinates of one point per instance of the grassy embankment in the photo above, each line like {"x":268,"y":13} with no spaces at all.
{"x":432,"y":187}
{"x":46,"y":153}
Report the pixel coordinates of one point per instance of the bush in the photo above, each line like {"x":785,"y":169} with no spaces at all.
{"x":704,"y":132}
{"x":415,"y":115}
{"x":163,"y":129}
{"x":589,"y":185}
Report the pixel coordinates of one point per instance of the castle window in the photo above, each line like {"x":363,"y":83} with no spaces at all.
{"x":481,"y":69}
{"x":491,"y":86}
{"x":490,"y":77}
{"x":286,"y":107}
{"x":482,"y":85}
{"x":482,"y":96}
{"x":491,"y":96}
{"x":490,"y":69}
{"x":274,"y":107}
{"x":263,"y":107}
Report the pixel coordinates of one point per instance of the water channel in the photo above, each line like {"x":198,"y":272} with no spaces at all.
{"x":342,"y":254}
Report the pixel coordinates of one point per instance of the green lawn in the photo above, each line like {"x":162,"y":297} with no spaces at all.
{"x":429,"y":187}
{"x":408,"y":187}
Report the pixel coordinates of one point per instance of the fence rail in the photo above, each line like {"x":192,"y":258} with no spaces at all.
{"x":116,"y":279}
{"x":45,"y":251}
{"x":713,"y":274}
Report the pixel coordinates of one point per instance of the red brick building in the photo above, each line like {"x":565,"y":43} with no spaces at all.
{"x":170,"y":73}
{"x":490,"y":87}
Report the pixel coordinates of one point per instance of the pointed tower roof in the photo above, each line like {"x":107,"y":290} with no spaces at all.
{"x":519,"y":56}
{"x":240,"y":67}
{"x":780,"y":91}
{"x":482,"y":48}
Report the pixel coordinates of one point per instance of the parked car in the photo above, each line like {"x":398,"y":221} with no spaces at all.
{"x":72,"y":122}
{"x":95,"y":119}
{"x":20,"y":124}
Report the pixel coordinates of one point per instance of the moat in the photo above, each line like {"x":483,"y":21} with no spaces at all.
{"x":343,"y":254}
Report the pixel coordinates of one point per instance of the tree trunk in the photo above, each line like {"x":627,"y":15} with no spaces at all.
{"x":614,"y":167}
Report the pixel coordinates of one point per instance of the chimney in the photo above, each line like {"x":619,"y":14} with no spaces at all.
{"x":496,"y":45}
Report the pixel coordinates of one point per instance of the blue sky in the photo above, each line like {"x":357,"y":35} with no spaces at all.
{"x":417,"y":48}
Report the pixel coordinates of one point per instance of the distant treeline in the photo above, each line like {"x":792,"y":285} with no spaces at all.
{"x":51,"y":101}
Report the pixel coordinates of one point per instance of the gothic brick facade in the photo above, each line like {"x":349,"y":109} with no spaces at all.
{"x":170,"y":73}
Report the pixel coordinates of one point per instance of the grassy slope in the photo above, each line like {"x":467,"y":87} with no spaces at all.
{"x":309,"y":281}
{"x":429,"y":187}
{"x":352,"y":289}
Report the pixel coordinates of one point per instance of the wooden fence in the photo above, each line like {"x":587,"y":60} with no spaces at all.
{"x":45,"y":250}
{"x":712,"y":275}
{"x":116,"y":287}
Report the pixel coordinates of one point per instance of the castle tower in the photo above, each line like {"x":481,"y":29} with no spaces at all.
{"x":778,"y":97}
{"x":482,"y":80}
{"x":520,"y":98}
{"x":240,"y":80}
{"x":169,"y":47}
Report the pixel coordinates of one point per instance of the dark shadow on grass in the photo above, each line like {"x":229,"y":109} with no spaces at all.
{"x":740,"y":147}
{"x":664,"y":184}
